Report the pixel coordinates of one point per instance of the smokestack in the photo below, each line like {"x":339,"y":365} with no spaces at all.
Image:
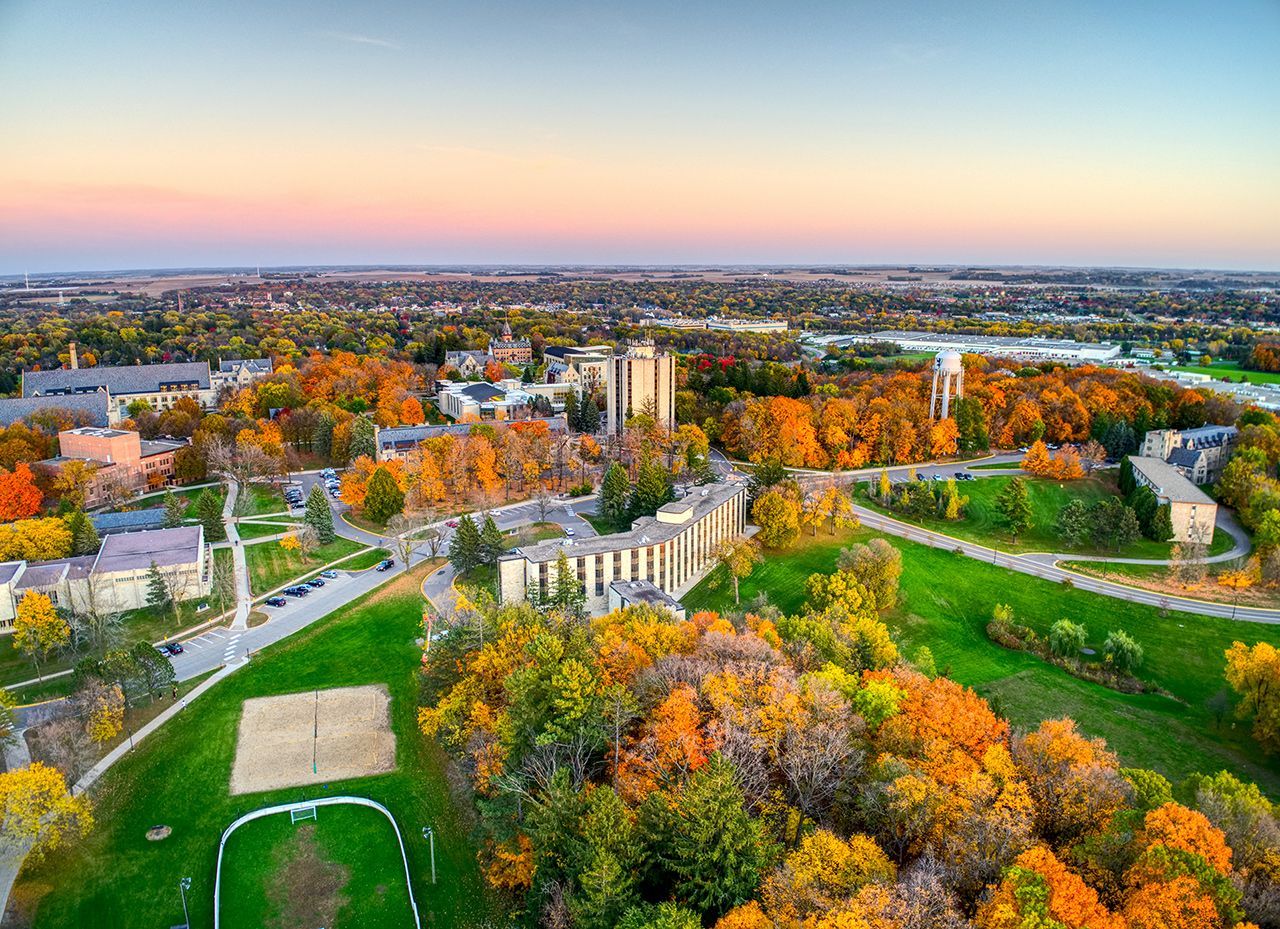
{"x":75,"y":360}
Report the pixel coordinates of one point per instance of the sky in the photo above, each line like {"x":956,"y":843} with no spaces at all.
{"x":180,"y":134}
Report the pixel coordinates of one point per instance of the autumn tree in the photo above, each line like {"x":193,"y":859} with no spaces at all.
{"x":1254,"y":675}
{"x":383,"y":498}
{"x":738,"y":558}
{"x":19,"y":495}
{"x":38,"y":630}
{"x":37,"y":812}
{"x":41,"y":539}
{"x":778,"y":517}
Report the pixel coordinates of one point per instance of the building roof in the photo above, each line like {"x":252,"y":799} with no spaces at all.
{"x":645,"y":531}
{"x":256,"y":365}
{"x":1185,"y":457}
{"x":1208,"y":436}
{"x":132,"y":551}
{"x":406,"y":437}
{"x":159,"y":447}
{"x":475,"y":355}
{"x":9,"y":569}
{"x":483,"y":392}
{"x":132,"y":520}
{"x":645,"y":592}
{"x":1168,"y":481}
{"x":119,"y":380}
{"x":92,"y":408}
{"x":43,"y":573}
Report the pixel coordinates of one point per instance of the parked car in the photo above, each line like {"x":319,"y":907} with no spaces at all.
{"x":568,"y":531}
{"x":298,"y":591}
{"x":276,"y":601}
{"x":329,"y":574}
{"x":386,"y":565}
{"x":315,"y":582}
{"x":175,"y":648}
{"x":452,"y":524}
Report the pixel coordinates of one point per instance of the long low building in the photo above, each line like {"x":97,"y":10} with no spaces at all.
{"x":399,"y":442}
{"x":673,"y":550}
{"x":1005,"y":346}
{"x":1192,"y":511}
{"x":157,"y":385}
{"x":116,"y":578}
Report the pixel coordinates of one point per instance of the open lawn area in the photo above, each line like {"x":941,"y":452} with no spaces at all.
{"x":259,"y":499}
{"x":179,"y":777}
{"x":945,"y":603}
{"x":262,"y":530}
{"x":342,"y":868}
{"x":983,"y":523}
{"x":998,"y":466}
{"x":1226,"y":369}
{"x":190,"y":495}
{"x":271,"y":565}
{"x":362,"y":560}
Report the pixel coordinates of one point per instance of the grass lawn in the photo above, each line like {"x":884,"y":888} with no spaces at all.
{"x":946,"y":602}
{"x":270,"y":565}
{"x":148,"y":624}
{"x":363,"y":560}
{"x":998,"y":466}
{"x":983,"y":523}
{"x":1229,"y":370}
{"x":262,"y":530}
{"x":190,"y":495}
{"x":259,"y":499}
{"x":343,"y":867}
{"x":179,"y":777}
{"x":368,"y":525}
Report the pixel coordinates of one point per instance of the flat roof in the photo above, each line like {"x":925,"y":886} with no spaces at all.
{"x":129,"y":551}
{"x":1004,"y":343}
{"x":644,"y":531}
{"x":645,"y":592}
{"x":122,"y":379}
{"x":1169,"y":480}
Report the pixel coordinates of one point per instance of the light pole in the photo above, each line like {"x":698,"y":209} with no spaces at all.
{"x":183,"y":886}
{"x":430,"y":835}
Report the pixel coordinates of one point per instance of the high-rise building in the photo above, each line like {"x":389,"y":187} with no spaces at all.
{"x":641,"y":381}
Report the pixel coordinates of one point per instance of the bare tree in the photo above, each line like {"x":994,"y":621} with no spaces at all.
{"x":94,"y":619}
{"x":403,"y":528}
{"x":222,"y":587}
{"x":542,"y":496}
{"x":67,"y":747}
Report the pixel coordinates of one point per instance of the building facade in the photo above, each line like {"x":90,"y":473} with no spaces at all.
{"x":240,"y":372}
{"x":1032,"y":349}
{"x":116,"y":578}
{"x":1192,"y":512}
{"x":509,"y":350}
{"x":672,"y":550}
{"x":124,"y":464}
{"x":641,"y":381}
{"x":401,"y":442}
{"x":1200,"y":454}
{"x":585,"y":367}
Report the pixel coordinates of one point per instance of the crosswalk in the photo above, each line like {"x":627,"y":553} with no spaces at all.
{"x":229,"y":653}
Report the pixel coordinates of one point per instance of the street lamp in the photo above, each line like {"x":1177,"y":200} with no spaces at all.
{"x":430,"y":835}
{"x":183,"y":886}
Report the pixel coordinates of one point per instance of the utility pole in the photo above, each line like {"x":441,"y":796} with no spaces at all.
{"x":183,"y":886}
{"x":430,"y":835}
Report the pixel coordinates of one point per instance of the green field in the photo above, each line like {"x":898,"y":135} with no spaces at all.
{"x":190,"y":495}
{"x":342,"y":868}
{"x":179,"y":776}
{"x":270,"y":565}
{"x":946,"y":602}
{"x":998,"y":466}
{"x":363,"y":560}
{"x":983,"y":523}
{"x":260,"y":499}
{"x":1229,"y":370}
{"x":261,"y":530}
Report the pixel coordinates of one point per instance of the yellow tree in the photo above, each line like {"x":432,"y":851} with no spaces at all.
{"x":739,"y":558}
{"x":36,"y":810}
{"x":38,"y":629}
{"x":106,"y":713}
{"x":1254,"y":674}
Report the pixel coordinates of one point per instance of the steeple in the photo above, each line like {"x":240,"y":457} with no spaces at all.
{"x":506,"y":331}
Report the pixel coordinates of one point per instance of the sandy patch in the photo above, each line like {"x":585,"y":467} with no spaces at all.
{"x":313,"y":737}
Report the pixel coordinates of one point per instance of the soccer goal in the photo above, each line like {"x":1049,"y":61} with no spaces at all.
{"x":302,"y":812}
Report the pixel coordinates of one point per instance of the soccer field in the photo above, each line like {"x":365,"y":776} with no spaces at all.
{"x":343,"y":868}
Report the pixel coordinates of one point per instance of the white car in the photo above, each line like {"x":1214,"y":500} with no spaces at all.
{"x":569,"y":532}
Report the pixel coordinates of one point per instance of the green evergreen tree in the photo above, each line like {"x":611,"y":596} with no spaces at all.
{"x":175,"y":509}
{"x":1127,"y":481}
{"x":157,"y":589}
{"x":1145,"y":504}
{"x":571,"y":415}
{"x":710,"y":844}
{"x":1074,"y":523}
{"x":652,"y":489}
{"x":318,"y":515}
{"x":209,"y":512}
{"x":464,"y":549}
{"x":1014,"y":506}
{"x":566,"y":594}
{"x":765,"y":475}
{"x":588,"y":415}
{"x":363,"y":439}
{"x":84,"y":536}
{"x":615,"y":491}
{"x":972,"y":424}
{"x":492,"y":544}
{"x":1162,"y":524}
{"x":383,"y":497}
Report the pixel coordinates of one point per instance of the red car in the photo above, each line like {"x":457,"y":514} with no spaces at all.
{"x":452,"y":524}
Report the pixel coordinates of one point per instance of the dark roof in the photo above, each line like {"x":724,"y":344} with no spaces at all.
{"x":92,"y":408}
{"x":125,"y":379}
{"x":406,"y":437}
{"x":260,"y":365}
{"x":484,"y":392}
{"x":107,"y":523}
{"x":1185,"y":457}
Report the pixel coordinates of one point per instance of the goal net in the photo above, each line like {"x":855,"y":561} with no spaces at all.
{"x":301,"y":813}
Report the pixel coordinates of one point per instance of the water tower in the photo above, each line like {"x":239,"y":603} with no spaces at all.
{"x":948,"y":370}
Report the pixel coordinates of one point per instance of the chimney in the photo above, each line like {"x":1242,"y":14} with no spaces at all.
{"x":75,"y":361}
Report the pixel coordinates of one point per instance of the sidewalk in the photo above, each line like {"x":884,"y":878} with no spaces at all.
{"x":241,"y":565}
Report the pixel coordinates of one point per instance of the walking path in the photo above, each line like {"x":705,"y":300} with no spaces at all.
{"x":244,"y":598}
